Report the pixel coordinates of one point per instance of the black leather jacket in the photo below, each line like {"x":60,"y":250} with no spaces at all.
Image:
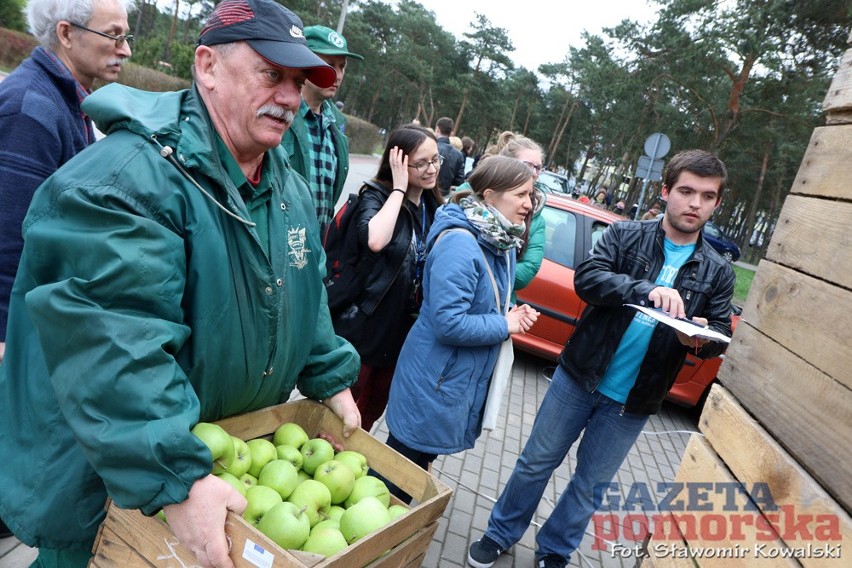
{"x":380,"y":270}
{"x":621,"y":270}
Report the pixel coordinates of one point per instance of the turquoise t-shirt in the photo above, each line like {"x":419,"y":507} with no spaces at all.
{"x":624,"y":367}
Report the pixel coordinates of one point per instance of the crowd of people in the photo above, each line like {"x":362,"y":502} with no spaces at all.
{"x":174,"y":272}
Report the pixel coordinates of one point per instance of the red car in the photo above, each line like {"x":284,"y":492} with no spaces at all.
{"x":572,"y":230}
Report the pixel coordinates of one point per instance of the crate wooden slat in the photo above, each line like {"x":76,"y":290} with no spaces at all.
{"x":794,"y":401}
{"x":700,"y":464}
{"x":753,"y":456}
{"x":808,"y":238}
{"x":780,"y":295}
{"x":823,"y":171}
{"x":839,"y":95}
{"x":128,"y":538}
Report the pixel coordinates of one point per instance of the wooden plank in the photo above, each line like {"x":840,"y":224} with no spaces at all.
{"x":808,"y":411}
{"x":812,"y":236}
{"x":715,"y":535}
{"x":805,"y":315}
{"x":113,"y":552}
{"x":667,"y":553}
{"x":823,"y":171}
{"x":839,"y":95}
{"x":753,"y":457}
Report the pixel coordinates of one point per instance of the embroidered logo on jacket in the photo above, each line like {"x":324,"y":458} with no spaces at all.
{"x":298,"y":251}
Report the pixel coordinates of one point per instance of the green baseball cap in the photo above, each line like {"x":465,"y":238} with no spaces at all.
{"x":326,"y":41}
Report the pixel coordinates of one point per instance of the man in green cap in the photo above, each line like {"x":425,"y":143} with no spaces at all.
{"x":315,"y":143}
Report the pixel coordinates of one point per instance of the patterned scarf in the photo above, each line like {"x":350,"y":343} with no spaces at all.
{"x":492,"y":225}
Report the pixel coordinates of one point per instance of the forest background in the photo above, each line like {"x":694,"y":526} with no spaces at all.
{"x":742,"y":78}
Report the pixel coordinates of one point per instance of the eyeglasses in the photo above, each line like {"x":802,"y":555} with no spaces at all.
{"x":423,"y":166}
{"x":534,"y":167}
{"x":119,"y":40}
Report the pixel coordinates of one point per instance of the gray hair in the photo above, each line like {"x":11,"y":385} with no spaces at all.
{"x":43,"y":15}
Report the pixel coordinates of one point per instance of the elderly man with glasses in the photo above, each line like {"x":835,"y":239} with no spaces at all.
{"x":41,"y":124}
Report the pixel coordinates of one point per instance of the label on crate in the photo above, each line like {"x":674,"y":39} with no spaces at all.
{"x":257,"y":555}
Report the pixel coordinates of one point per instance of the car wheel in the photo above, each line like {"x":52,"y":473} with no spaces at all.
{"x":728,"y":255}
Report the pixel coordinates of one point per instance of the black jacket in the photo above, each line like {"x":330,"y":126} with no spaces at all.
{"x":621,"y":270}
{"x":452,"y":170}
{"x":379,"y":319}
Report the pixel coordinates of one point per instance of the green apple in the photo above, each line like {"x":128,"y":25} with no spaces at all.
{"x":279,"y":475}
{"x":303,"y":475}
{"x":219,"y":442}
{"x":290,"y":453}
{"x":355,"y":460}
{"x":242,"y":458}
{"x":335,"y":512}
{"x":327,"y":541}
{"x":316,"y":452}
{"x":232,"y":481}
{"x":259,"y":500}
{"x":368,"y":486}
{"x":326,"y":523}
{"x":291,"y":434}
{"x":286,"y":525}
{"x":262,"y":452}
{"x":162,"y":516}
{"x":362,"y":518}
{"x":248,"y":480}
{"x":312,"y":497}
{"x":396,"y":510}
{"x":339,"y":479}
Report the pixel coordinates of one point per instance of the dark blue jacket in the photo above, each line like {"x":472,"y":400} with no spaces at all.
{"x":41,"y":128}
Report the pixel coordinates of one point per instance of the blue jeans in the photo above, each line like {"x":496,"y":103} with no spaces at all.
{"x":566,"y":411}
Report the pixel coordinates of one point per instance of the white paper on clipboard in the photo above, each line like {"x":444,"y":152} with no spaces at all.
{"x":686,"y":327}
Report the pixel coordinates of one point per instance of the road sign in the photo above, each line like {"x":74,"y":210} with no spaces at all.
{"x":648,"y":168}
{"x":657,"y":145}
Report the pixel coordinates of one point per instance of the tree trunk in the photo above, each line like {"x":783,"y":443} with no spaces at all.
{"x":562,"y":129}
{"x":752,"y":210}
{"x":167,"y":50}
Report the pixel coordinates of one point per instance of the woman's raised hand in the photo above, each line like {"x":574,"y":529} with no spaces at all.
{"x":399,"y":168}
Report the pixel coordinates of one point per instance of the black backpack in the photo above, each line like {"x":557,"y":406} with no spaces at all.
{"x":341,"y":257}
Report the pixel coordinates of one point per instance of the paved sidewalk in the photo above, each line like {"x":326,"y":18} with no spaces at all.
{"x":477,"y":475}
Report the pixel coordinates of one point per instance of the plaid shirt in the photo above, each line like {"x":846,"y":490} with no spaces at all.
{"x":322,"y":165}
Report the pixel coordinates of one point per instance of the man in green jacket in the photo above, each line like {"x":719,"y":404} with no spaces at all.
{"x":315,"y":143}
{"x":171,"y":274}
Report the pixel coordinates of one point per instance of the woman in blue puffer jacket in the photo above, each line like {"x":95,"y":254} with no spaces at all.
{"x":441,"y":380}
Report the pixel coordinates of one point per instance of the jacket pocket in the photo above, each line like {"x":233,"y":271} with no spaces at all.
{"x":635,"y":264}
{"x":694,"y":292}
{"x":451,"y":385}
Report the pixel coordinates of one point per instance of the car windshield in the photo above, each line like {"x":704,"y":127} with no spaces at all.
{"x":712,"y":230}
{"x":552,"y":182}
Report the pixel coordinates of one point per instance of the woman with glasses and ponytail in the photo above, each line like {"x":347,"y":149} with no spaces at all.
{"x":394,"y":212}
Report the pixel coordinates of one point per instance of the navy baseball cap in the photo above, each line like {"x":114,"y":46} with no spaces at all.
{"x":272,"y":30}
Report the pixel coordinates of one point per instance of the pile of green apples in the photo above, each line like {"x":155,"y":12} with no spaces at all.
{"x":300,"y":493}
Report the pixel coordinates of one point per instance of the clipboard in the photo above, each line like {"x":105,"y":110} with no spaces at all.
{"x":684,"y":326}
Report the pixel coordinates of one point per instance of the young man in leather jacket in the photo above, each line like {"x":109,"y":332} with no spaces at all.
{"x":619,"y":364}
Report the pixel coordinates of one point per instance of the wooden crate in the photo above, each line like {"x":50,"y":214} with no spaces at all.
{"x":128,"y":538}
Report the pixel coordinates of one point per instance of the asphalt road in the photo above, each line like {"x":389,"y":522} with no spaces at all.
{"x":361,"y":167}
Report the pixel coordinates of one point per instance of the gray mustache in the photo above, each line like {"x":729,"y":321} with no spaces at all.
{"x":117,"y":61}
{"x":276,"y":112}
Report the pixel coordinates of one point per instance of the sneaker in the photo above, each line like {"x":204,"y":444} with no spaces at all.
{"x":551,"y":561}
{"x":483,"y":553}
